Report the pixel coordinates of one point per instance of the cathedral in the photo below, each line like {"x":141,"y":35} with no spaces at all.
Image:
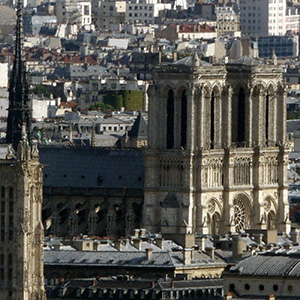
{"x":218,"y":162}
{"x":21,"y":193}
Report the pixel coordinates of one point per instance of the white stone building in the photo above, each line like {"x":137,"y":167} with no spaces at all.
{"x":263,"y":17}
{"x":3,"y":75}
{"x":144,"y":11}
{"x":292,"y":20}
{"x":74,"y":12}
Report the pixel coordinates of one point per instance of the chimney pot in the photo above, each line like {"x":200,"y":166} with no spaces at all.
{"x":149,"y":252}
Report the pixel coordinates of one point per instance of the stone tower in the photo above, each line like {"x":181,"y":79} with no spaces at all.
{"x":218,"y":154}
{"x":21,"y":183}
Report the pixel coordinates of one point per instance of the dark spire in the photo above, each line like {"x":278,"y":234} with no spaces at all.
{"x":19,"y":111}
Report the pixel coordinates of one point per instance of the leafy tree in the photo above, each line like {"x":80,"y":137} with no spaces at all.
{"x":292,"y":115}
{"x":115,"y":100}
{"x":40,"y":89}
{"x":101,"y":106}
{"x":133,"y":100}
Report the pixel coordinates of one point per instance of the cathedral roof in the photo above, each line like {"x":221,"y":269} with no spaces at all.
{"x":92,"y":167}
{"x":245,"y":60}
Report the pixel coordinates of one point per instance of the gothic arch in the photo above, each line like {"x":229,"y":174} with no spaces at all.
{"x":271,"y":87}
{"x":242,"y":212}
{"x":270,"y":209}
{"x":271,"y":220}
{"x":165,"y":89}
{"x":236,"y":86}
{"x":180,"y":89}
{"x":214,"y":212}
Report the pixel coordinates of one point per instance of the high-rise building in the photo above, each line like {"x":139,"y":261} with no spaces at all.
{"x":263,"y":17}
{"x":21,"y":229}
{"x":217,"y":149}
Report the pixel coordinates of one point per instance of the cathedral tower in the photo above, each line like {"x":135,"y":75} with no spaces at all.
{"x":21,"y":183}
{"x":218,"y":154}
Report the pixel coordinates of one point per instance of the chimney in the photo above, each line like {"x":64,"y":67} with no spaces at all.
{"x":118,"y":244}
{"x":228,"y":296}
{"x":187,"y":256}
{"x":160,"y":243}
{"x":271,"y":297}
{"x":269,"y":246}
{"x":211,"y":252}
{"x":149,"y":252}
{"x":143,"y":231}
{"x":136,"y":231}
{"x":174,"y":56}
{"x":258,"y":238}
{"x":137,"y":244}
{"x":238,"y":247}
{"x":159,"y":57}
{"x":57,"y":247}
{"x":287,"y":246}
{"x":201,"y":242}
{"x":294,"y":236}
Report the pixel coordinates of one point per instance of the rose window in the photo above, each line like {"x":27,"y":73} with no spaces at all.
{"x":240,"y":215}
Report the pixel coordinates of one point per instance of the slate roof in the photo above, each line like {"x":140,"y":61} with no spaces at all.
{"x":138,"y":259}
{"x":189,"y":61}
{"x":92,"y":167}
{"x":284,"y":264}
{"x":245,"y":60}
{"x":139,"y":128}
{"x":293,"y":125}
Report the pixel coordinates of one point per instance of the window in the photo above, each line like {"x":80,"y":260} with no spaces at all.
{"x":261,"y":287}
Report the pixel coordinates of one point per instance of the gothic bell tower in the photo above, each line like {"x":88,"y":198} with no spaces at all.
{"x":21,"y":195}
{"x":217,"y":151}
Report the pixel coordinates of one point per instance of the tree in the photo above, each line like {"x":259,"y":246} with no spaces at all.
{"x":40,"y":89}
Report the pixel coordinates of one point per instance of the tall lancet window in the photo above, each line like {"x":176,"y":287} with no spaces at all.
{"x":267,"y":117}
{"x":170,"y":120}
{"x":183,"y":120}
{"x":212,"y":120}
{"x":238,"y":118}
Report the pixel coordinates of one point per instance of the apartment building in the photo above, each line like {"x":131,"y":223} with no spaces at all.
{"x":144,"y":11}
{"x":107,"y":13}
{"x":263,"y":17}
{"x":74,"y":12}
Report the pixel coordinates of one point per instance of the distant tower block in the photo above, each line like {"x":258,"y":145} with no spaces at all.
{"x":218,"y":154}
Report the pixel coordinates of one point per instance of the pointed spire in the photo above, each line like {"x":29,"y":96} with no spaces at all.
{"x":19,"y":111}
{"x":274,"y":57}
{"x":93,"y":137}
{"x":195,"y":60}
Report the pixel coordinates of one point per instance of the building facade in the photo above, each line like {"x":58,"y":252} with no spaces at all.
{"x":219,"y":161}
{"x":263,"y":17}
{"x":144,"y":11}
{"x":107,"y":13}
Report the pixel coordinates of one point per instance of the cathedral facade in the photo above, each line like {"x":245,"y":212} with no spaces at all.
{"x":217,"y":151}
